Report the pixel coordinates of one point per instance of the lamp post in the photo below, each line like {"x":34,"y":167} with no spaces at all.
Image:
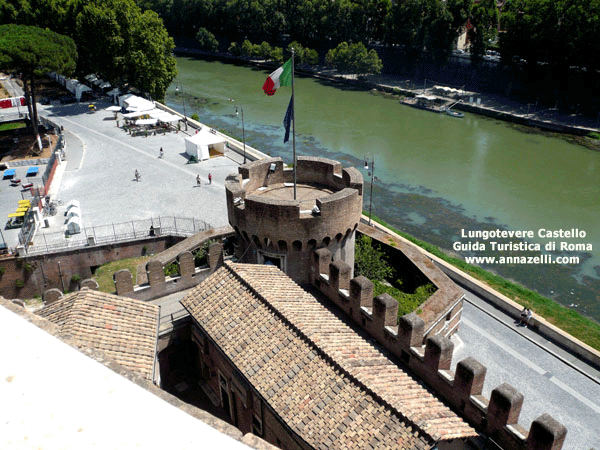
{"x":372,"y":173}
{"x":183,"y":103}
{"x":241,"y":109}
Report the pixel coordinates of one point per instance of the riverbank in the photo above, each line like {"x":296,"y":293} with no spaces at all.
{"x":575,"y":127}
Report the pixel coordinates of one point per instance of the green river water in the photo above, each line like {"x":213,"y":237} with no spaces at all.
{"x":438,"y":177}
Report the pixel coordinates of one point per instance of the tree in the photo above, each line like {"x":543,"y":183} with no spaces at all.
{"x":303,"y":54}
{"x":207,"y":40}
{"x":484,"y":21}
{"x":35,"y":52}
{"x":370,"y":261}
{"x":354,"y":58}
{"x":114,"y":38}
{"x":126,"y":45}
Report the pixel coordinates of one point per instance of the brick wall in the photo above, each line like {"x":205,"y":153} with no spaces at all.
{"x":55,"y":270}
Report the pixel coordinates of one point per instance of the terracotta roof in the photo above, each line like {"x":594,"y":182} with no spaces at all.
{"x":123,"y":328}
{"x":330,"y":385}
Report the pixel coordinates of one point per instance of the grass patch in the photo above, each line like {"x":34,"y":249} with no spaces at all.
{"x":11,"y":126}
{"x":583,"y":328}
{"x":104,"y":274}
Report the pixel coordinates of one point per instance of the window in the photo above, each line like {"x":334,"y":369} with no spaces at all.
{"x":257,"y":425}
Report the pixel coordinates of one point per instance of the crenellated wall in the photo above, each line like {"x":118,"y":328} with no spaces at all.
{"x":269,"y":223}
{"x":440,"y":313}
{"x":158,"y":284}
{"x":429,"y":356}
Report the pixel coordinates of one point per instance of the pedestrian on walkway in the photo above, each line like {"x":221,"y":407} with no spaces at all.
{"x":209,"y":178}
{"x":161,"y":153}
{"x":198,"y":180}
{"x":525,"y":316}
{"x":138,"y":177}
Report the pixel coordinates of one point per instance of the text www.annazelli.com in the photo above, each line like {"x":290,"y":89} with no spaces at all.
{"x":540,"y":259}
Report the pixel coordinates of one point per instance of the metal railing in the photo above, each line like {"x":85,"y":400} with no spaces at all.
{"x":117,"y":232}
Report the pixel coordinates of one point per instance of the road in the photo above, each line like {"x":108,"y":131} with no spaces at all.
{"x":551,"y":380}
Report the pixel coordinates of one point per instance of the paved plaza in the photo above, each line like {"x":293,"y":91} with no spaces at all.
{"x":101,"y":160}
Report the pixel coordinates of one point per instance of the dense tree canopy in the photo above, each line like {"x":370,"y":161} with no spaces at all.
{"x":34,"y":52}
{"x":354,"y":58}
{"x":559,"y":32}
{"x":114,"y":38}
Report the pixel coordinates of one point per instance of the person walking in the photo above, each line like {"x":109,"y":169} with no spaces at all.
{"x":198,"y":180}
{"x":161,"y":153}
{"x":209,"y":178}
{"x":138,"y":177}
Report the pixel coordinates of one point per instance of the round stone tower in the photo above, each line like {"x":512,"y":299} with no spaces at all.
{"x":273,"y":228}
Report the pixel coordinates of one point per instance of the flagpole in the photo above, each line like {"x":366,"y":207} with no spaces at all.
{"x":294,"y":126}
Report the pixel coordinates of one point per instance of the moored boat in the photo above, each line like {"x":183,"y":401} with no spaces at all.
{"x":453,"y":113}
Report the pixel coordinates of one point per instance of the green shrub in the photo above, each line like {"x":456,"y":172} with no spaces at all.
{"x":265,"y":50}
{"x":201,"y":255}
{"x":407,"y":302}
{"x":195,"y":117}
{"x":76,"y":279}
{"x":277,"y":54}
{"x":247,"y":48}
{"x":235,"y":49}
{"x":19,"y":283}
{"x":171,"y":270}
{"x":2,"y":270}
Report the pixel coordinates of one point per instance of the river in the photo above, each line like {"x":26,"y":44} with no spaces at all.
{"x":437,"y":177}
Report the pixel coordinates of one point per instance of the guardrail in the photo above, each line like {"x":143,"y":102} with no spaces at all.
{"x":117,"y":232}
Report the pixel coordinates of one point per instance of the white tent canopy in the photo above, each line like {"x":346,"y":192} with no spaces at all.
{"x":76,"y":88}
{"x":74,"y":225}
{"x":164,"y":116}
{"x":198,"y":145}
{"x":73,"y":204}
{"x":146,"y":122}
{"x":74,"y":211}
{"x":135,"y":103}
{"x":81,"y":88}
{"x":134,"y":114}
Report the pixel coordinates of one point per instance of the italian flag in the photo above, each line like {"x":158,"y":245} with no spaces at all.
{"x":281,"y":77}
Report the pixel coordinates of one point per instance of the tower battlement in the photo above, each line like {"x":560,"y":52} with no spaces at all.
{"x":274,"y":227}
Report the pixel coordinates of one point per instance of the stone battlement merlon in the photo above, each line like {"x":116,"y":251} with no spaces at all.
{"x":310,"y":170}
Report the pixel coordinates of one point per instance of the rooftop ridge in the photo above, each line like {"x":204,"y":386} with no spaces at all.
{"x":419,"y":423}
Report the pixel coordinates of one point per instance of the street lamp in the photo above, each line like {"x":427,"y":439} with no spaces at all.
{"x":243,"y":129}
{"x":183,"y":103}
{"x":372,"y":173}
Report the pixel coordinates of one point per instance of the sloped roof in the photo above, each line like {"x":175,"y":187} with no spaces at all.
{"x":330,"y":385}
{"x":124,"y":329}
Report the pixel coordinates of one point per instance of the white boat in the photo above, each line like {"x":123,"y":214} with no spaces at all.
{"x":453,"y":113}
